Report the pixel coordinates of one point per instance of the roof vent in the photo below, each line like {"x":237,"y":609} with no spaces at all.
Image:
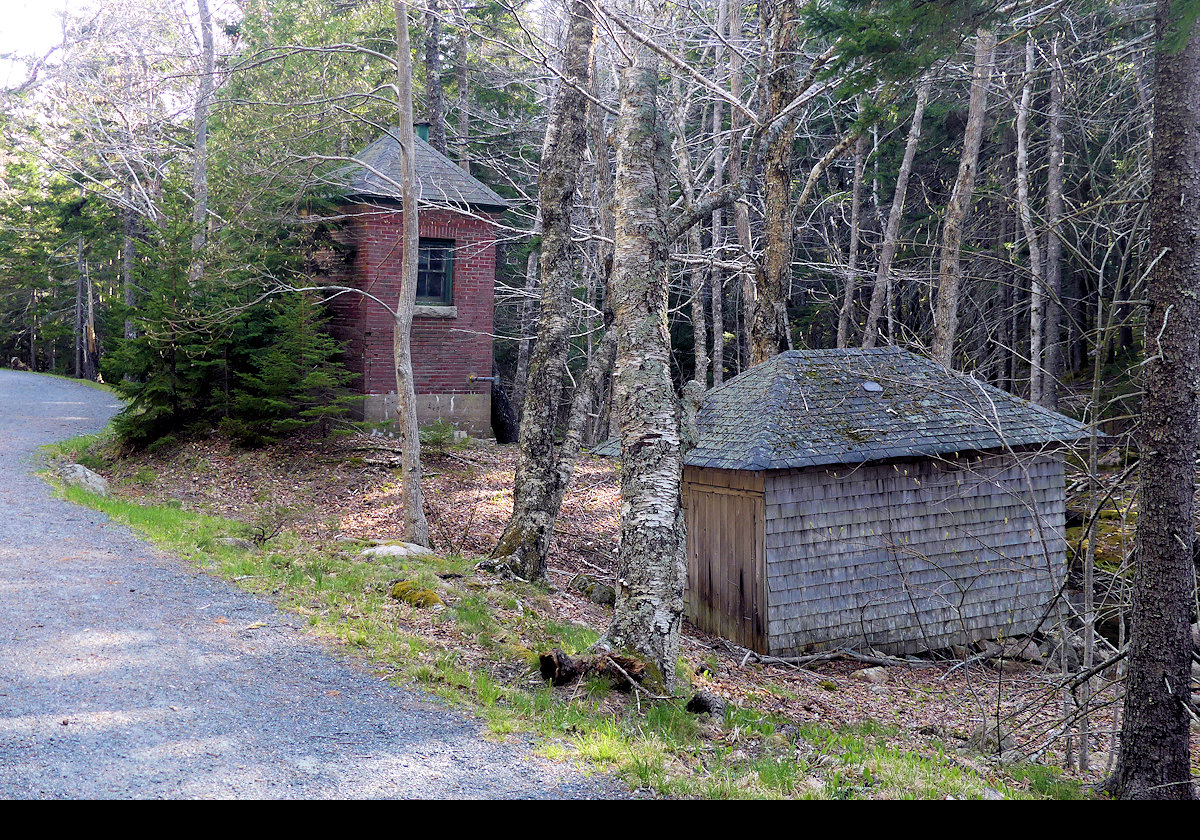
{"x":872,"y":387}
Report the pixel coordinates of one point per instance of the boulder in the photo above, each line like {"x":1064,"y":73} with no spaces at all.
{"x":1025,"y":650}
{"x":396,"y":549}
{"x":413,"y":593}
{"x":707,"y":703}
{"x":593,"y":589}
{"x":236,"y":542}
{"x":77,"y":475}
{"x":989,"y":649}
{"x":991,"y":738}
{"x":877,"y":675}
{"x":1056,"y":647}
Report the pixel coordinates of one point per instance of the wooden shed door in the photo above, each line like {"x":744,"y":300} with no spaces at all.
{"x":725,"y":592}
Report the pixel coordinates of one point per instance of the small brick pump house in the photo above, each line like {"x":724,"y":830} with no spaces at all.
{"x":452,"y":323}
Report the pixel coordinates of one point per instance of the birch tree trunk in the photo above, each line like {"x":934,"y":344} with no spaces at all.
{"x":1054,"y":216}
{"x":200,"y":161}
{"x":526,"y":539}
{"x":651,"y":559}
{"x":416,"y":530}
{"x":1037,"y":288}
{"x":945,"y":322}
{"x":767,"y":316}
{"x":1154,"y":761}
{"x":891,"y":237}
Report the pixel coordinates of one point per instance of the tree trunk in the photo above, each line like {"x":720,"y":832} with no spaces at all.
{"x":945,"y":322}
{"x":891,"y":237}
{"x":651,"y":560}
{"x":435,"y":100}
{"x":716,"y":275}
{"x":847,"y":314}
{"x":1054,"y":216}
{"x":91,"y":360}
{"x":741,"y":211}
{"x":1037,"y":286}
{"x":526,"y":538}
{"x":693,"y":247}
{"x":525,"y":326}
{"x":416,"y":530}
{"x":1154,"y":759}
{"x":462,"y":77}
{"x":129,"y":223}
{"x":767,"y":315}
{"x":79,"y":304}
{"x":200,"y":161}
{"x":716,"y":287}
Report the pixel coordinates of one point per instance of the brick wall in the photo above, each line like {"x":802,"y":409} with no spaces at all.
{"x":445,"y":351}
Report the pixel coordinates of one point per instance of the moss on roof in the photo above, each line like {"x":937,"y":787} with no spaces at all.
{"x":807,"y":408}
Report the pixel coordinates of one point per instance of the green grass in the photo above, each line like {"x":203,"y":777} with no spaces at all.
{"x":655,"y":745}
{"x":99,"y":386}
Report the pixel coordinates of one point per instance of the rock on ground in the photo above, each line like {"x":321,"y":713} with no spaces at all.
{"x":77,"y":475}
{"x":400,"y":549}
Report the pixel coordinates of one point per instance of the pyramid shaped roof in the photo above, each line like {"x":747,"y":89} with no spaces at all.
{"x":811,"y":407}
{"x":439,"y":179}
{"x":807,"y":408}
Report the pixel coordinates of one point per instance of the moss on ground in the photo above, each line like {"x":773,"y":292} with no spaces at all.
{"x":480,"y":651}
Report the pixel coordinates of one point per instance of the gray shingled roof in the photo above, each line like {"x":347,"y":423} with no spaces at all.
{"x":808,"y":408}
{"x":441,"y":180}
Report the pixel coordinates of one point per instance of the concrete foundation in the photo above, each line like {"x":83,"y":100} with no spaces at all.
{"x":472,"y":413}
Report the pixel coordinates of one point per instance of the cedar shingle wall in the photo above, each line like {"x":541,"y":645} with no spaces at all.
{"x":911,"y":556}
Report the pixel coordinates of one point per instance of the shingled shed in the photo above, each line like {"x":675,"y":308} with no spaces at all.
{"x":452,"y":323}
{"x":872,"y":499}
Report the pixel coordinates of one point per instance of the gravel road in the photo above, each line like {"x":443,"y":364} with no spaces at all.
{"x":125,"y":674}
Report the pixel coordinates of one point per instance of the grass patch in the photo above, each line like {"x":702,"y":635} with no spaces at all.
{"x":478,"y":648}
{"x":99,"y":386}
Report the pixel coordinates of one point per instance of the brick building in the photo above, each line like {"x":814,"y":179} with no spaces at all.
{"x":452,"y":323}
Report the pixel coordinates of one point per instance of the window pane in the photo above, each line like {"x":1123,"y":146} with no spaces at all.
{"x":435,"y":266}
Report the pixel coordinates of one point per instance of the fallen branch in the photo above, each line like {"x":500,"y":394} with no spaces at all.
{"x":624,"y":672}
{"x":828,"y":656}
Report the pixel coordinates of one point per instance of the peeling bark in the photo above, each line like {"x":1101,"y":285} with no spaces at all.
{"x":525,"y":543}
{"x":651,"y":560}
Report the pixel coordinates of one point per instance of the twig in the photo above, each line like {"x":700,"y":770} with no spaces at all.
{"x":635,"y":683}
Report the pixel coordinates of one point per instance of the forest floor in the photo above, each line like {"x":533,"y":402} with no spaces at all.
{"x":308,"y":507}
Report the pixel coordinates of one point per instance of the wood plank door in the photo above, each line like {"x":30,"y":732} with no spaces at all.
{"x":725,"y":592}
